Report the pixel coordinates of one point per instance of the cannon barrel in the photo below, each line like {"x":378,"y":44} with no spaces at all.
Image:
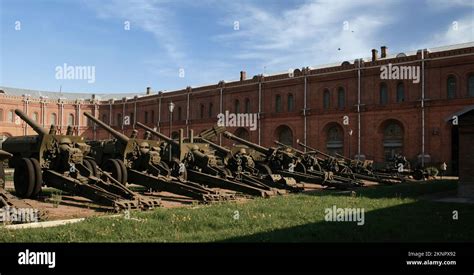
{"x":288,"y":146}
{"x":257,"y":147}
{"x":158,"y":134}
{"x":217,"y":147}
{"x":38,"y":129}
{"x":119,"y":136}
{"x":343,"y":157}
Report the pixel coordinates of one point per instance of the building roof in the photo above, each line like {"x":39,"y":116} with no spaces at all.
{"x":106,"y":96}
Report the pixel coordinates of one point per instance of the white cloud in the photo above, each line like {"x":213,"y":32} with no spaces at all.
{"x":460,"y":31}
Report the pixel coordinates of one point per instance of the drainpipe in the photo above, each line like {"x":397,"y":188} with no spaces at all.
{"x":159,"y":111}
{"x":135,"y":114}
{"x":305,"y":71}
{"x":78,"y":119}
{"x":94,"y":127}
{"x":423,"y":108}
{"x":124,"y":100}
{"x":260,"y":109}
{"x":220,"y":105}
{"x":25,"y":100}
{"x":187,"y":109}
{"x":61,"y":112}
{"x":111,"y":101}
{"x":358,"y":109}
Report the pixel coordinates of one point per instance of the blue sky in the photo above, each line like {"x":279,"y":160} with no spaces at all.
{"x":199,"y":38}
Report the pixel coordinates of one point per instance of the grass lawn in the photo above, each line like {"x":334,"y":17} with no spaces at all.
{"x":392,"y":213}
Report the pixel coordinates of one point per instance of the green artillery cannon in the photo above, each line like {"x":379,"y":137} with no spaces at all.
{"x":139,"y":161}
{"x":318,"y":167}
{"x":286,"y":163}
{"x":203,"y":166}
{"x":58,"y":161}
{"x":244,"y":168}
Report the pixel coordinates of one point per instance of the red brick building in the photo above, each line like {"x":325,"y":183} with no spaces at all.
{"x":385,"y":116}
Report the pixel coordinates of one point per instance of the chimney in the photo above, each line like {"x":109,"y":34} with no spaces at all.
{"x":374,"y":55}
{"x":243,"y":75}
{"x":383,"y":51}
{"x":148,"y":90}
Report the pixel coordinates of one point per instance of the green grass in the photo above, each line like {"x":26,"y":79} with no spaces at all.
{"x":392,"y":213}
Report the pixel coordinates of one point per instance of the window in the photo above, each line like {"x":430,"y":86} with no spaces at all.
{"x":383,"y":94}
{"x":210,"y":110}
{"x":1,"y":114}
{"x":451,"y":83}
{"x":88,"y":121}
{"x":179,"y":113}
{"x":132,"y":118}
{"x":278,"y":103}
{"x":53,"y":119}
{"x":237,"y":106}
{"x":285,"y":135}
{"x":201,"y":112}
{"x":247,"y":105}
{"x":70,"y":120}
{"x":335,"y":140}
{"x":341,"y":98}
{"x":153,"y":117}
{"x":35,"y":117}
{"x":400,"y":93}
{"x":146,"y":117}
{"x":104,"y":118}
{"x":11,"y":116}
{"x":291,"y":103}
{"x":326,"y":99}
{"x":392,"y":140}
{"x":242,"y":133}
{"x":470,"y":85}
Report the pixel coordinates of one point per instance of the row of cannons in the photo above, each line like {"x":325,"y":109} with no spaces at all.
{"x":192,"y":166}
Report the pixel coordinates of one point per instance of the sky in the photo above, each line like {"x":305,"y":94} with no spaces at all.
{"x":169,"y":45}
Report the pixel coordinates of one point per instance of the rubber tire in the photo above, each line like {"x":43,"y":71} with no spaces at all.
{"x":88,"y":165}
{"x":94,"y":165}
{"x":113,"y":167}
{"x":38,"y":178}
{"x":2,"y":176}
{"x":300,"y":168}
{"x":24,"y":178}
{"x":124,"y":171}
{"x":264,"y":169}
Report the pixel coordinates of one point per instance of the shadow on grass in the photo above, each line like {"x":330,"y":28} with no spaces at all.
{"x":403,"y":190}
{"x":421,"y":221}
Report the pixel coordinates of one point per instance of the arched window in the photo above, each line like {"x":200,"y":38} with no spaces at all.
{"x":119,"y":119}
{"x":11,"y":116}
{"x":237,"y":106}
{"x":341,"y":98}
{"x":1,"y":114}
{"x":146,"y":117}
{"x":392,"y":139}
{"x":400,"y":92}
{"x":451,"y":87}
{"x":70,"y":120}
{"x":201,"y":111}
{"x":104,"y":118}
{"x":470,"y":85}
{"x":247,"y":105}
{"x":152,"y":117}
{"x":291,"y":103}
{"x":35,"y":116}
{"x":210,"y":110}
{"x":335,"y":139}
{"x":132,"y":118}
{"x":175,"y":135}
{"x":278,"y":103}
{"x":242,"y":133}
{"x":284,"y":135}
{"x":383,"y":94}
{"x":88,"y":121}
{"x":179,"y":113}
{"x":53,"y":119}
{"x":326,"y":99}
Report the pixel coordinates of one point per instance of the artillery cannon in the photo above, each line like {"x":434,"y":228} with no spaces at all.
{"x":203,"y":166}
{"x":58,"y":161}
{"x":244,"y":168}
{"x":285,"y":162}
{"x":139,"y":161}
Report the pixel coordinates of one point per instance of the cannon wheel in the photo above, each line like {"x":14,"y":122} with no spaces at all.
{"x":113,"y":167}
{"x":94,"y":166}
{"x":124,"y":171}
{"x":418,"y":174}
{"x":317,"y":167}
{"x":38,"y":177}
{"x":300,"y":168}
{"x":2,"y":175}
{"x":175,"y":171}
{"x":264,"y":169}
{"x":24,"y":178}
{"x":88,"y":165}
